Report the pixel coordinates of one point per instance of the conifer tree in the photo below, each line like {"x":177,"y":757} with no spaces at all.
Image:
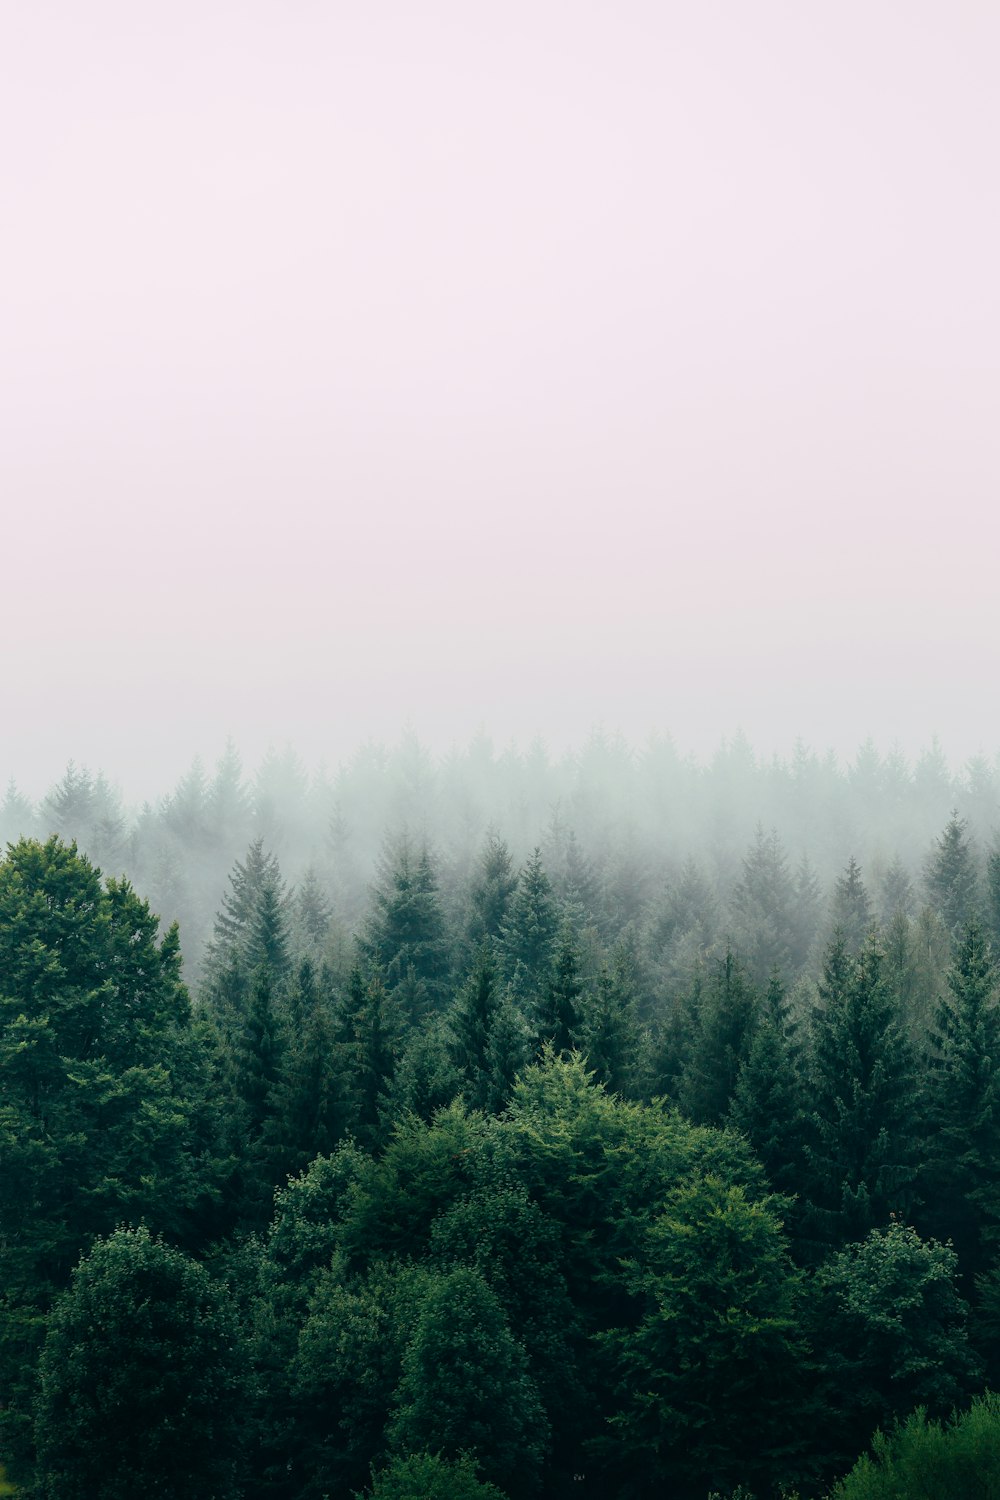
{"x":768,"y":1105}
{"x":529,"y":933}
{"x":609,"y":1029}
{"x":492,"y":891}
{"x":405,"y":928}
{"x":764,"y":902}
{"x":852,"y":909}
{"x":144,"y":1382}
{"x":466,"y":1386}
{"x":473,"y":1018}
{"x":559,"y":1005}
{"x":721,"y":1042}
{"x":952,"y":879}
{"x":861,"y":1128}
{"x":963,"y":1106}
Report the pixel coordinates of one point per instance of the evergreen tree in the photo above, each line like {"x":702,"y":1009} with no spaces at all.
{"x":559,"y":1006}
{"x":312,"y":915}
{"x":763,"y":902}
{"x":405,"y":929}
{"x":721,"y":1042}
{"x":897,"y":892}
{"x":466,"y":1386}
{"x":609,"y":1029}
{"x":529,"y":933}
{"x":311,"y":1111}
{"x":252,"y":922}
{"x":992,"y":902}
{"x":492,"y":891}
{"x":806,"y":906}
{"x":143,"y":1380}
{"x":473,"y":1018}
{"x":952,"y":879}
{"x":852,"y":908}
{"x":963,"y":1106}
{"x":768,"y":1104}
{"x":375,"y":1046}
{"x":861,"y":1139}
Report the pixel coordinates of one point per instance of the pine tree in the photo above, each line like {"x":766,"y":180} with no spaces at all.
{"x":963,"y":1106}
{"x":492,"y":891}
{"x":764,"y":902}
{"x":312,"y":915}
{"x":143,"y":1380}
{"x":609,"y":1030}
{"x":375,"y":1047}
{"x":852,"y":909}
{"x":768,"y":1105}
{"x":473,"y":1018}
{"x":529,"y":933}
{"x":559,"y":1005}
{"x":252,"y":922}
{"x":861,"y":1137}
{"x":405,"y":928}
{"x":721,"y":1043}
{"x":952,"y":879}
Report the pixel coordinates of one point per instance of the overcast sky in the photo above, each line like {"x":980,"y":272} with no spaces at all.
{"x":521,"y":365}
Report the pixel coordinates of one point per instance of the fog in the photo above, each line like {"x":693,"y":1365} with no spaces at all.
{"x":522,"y":368}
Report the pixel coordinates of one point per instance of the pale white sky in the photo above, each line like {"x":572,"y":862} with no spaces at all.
{"x":524,"y":365}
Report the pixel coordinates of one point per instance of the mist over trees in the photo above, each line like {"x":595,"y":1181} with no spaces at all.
{"x":499,"y":1125}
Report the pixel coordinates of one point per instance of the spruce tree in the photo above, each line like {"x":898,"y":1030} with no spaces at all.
{"x":768,"y":1104}
{"x":405,"y":931}
{"x":764,"y":905}
{"x":492,"y":890}
{"x":724,"y":1029}
{"x":852,"y":908}
{"x":963,"y":1106}
{"x":529,"y":933}
{"x":952,"y":879}
{"x":862,"y":1124}
{"x":559,"y":1006}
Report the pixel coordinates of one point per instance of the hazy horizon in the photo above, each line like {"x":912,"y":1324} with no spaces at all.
{"x":523,"y":369}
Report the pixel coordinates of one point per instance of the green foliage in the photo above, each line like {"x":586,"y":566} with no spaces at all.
{"x":963,"y":1106}
{"x":405,"y":931}
{"x":724,"y":1027}
{"x":768,"y":1104}
{"x":764,"y":906}
{"x":466,"y":1385}
{"x":862,"y":1126}
{"x":529,"y":932}
{"x":922,"y":1459}
{"x":345,"y":1371}
{"x":428,"y":1476}
{"x":491,"y":892}
{"x":559,"y":1002}
{"x":891,"y":1330}
{"x":852,"y":908}
{"x":952,"y":878}
{"x":715,"y":1331}
{"x":106,"y":1112}
{"x":142,"y":1379}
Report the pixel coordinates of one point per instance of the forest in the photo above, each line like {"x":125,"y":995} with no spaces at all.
{"x":504,"y":1124}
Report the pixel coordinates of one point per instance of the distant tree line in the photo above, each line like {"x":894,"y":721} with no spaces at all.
{"x":519,"y":1174}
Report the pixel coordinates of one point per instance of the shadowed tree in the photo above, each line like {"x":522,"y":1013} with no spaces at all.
{"x":861,"y":1140}
{"x":952,"y":878}
{"x":720,"y":1045}
{"x":963,"y":1107}
{"x":143,"y":1381}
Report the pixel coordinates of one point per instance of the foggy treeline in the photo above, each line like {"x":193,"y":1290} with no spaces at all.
{"x":502,"y":1125}
{"x":657,"y":842}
